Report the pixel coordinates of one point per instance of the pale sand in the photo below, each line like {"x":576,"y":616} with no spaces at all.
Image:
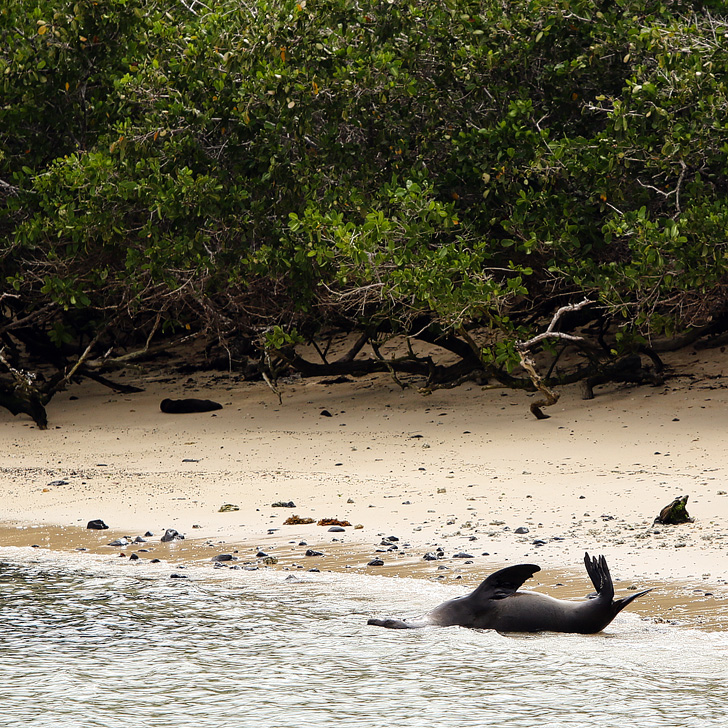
{"x":433,"y":470}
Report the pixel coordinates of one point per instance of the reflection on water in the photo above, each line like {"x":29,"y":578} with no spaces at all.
{"x":129,"y":646}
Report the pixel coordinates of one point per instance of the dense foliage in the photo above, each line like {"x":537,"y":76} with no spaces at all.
{"x":449,"y":170}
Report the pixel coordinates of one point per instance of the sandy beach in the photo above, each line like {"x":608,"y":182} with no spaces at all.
{"x":467,"y":471}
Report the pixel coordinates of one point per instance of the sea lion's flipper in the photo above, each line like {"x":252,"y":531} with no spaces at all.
{"x":601,"y":578}
{"x":620,"y":604}
{"x":393,"y":624}
{"x":505,"y":582}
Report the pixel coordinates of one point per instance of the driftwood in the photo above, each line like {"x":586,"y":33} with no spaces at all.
{"x":550,"y":397}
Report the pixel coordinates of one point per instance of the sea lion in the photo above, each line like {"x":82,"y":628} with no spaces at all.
{"x":184,"y":406}
{"x":497,"y":604}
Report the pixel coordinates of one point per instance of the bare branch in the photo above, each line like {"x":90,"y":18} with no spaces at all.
{"x":529,"y":365}
{"x":550,"y":333}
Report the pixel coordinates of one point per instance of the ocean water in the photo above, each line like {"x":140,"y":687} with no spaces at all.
{"x":107,"y":644}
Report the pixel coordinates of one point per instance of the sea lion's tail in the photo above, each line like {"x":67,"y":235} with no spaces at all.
{"x":601,"y":578}
{"x":391,"y":623}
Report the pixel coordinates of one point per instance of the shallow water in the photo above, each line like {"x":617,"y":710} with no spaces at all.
{"x":110,"y":645}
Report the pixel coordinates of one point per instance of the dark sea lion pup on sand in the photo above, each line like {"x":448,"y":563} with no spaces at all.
{"x":185,"y":406}
{"x":497,"y":604}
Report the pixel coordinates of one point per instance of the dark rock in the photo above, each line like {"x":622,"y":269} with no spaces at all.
{"x":315,"y":571}
{"x":178,"y":576}
{"x":325,"y":413}
{"x":155,"y":561}
{"x":521,"y":529}
{"x":58,"y":482}
{"x":283,"y":504}
{"x":336,"y":380}
{"x":185,"y":406}
{"x":223,"y":557}
{"x":675,"y":513}
{"x":97,"y":525}
{"x":119,"y":542}
{"x":462,"y":555}
{"x":337,"y":529}
{"x":261,"y":555}
{"x":171,"y":535}
{"x":139,"y":539}
{"x":134,"y":557}
{"x":313,"y":552}
{"x":429,"y":556}
{"x":148,"y":534}
{"x":538,"y":542}
{"x":376,"y":562}
{"x":190,"y":460}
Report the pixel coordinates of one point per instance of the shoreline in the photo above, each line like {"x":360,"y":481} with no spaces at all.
{"x":461,"y":470}
{"x":679,"y":603}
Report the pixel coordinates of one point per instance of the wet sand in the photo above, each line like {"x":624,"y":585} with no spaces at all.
{"x":461,"y":470}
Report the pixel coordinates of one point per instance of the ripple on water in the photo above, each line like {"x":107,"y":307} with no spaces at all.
{"x":237,"y":649}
